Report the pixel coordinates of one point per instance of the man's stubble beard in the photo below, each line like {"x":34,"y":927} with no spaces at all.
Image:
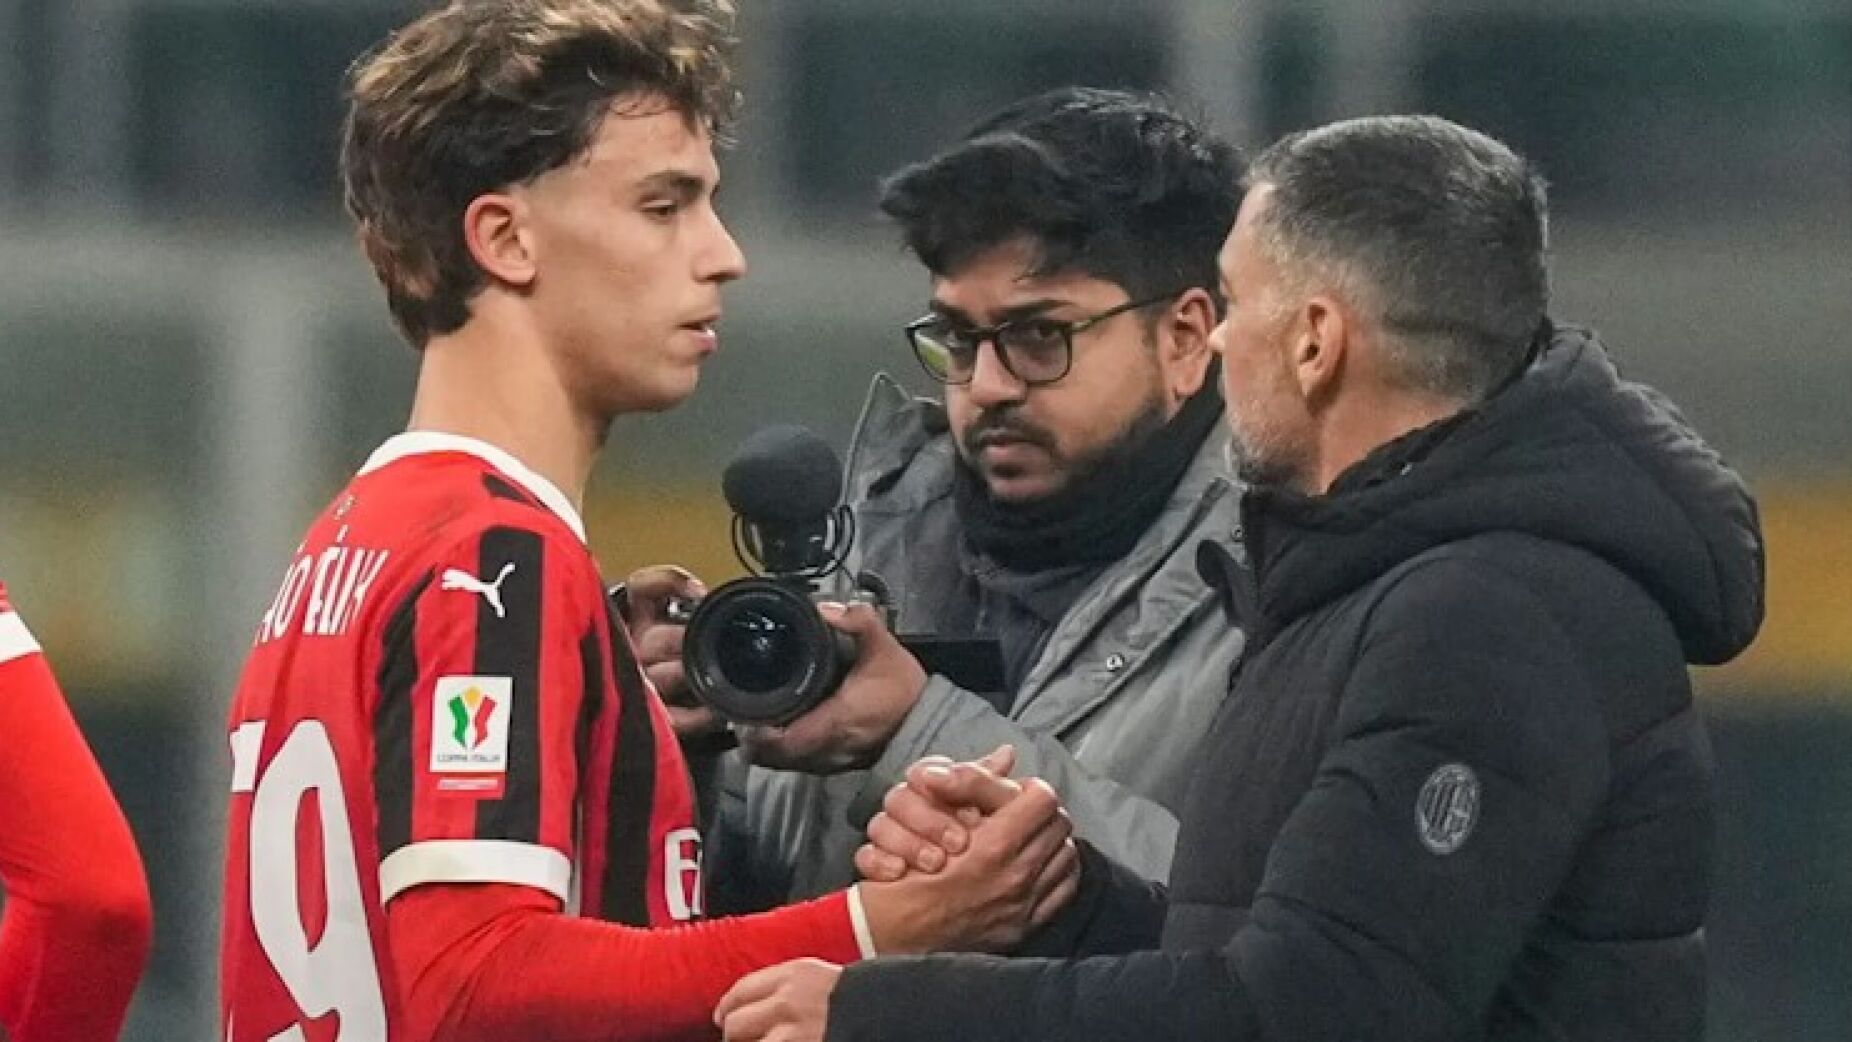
{"x":1262,"y":457}
{"x":1144,"y":425}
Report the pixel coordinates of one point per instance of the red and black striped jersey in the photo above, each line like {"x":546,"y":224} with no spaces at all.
{"x":438,"y":693}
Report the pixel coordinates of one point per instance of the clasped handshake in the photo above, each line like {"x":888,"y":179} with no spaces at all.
{"x":961,"y":858}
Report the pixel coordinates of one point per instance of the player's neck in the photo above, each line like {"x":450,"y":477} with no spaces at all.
{"x":496,"y":385}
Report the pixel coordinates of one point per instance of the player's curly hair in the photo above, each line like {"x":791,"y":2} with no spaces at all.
{"x":479,"y":95}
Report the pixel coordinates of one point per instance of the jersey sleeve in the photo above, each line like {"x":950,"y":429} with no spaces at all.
{"x":77,"y":927}
{"x":481,"y":696}
{"x":487,"y":963}
{"x":15,"y":639}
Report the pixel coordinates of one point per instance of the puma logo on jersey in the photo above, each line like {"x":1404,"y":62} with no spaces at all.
{"x":456,"y":579}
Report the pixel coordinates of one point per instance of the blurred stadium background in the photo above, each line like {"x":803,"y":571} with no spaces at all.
{"x":192,"y":356}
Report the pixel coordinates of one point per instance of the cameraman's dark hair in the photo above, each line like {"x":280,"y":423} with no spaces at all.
{"x":479,"y":95}
{"x":1113,"y":184}
{"x":1440,"y":231}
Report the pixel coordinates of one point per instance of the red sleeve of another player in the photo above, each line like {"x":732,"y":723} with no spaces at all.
{"x":77,"y":926}
{"x":481,"y":685}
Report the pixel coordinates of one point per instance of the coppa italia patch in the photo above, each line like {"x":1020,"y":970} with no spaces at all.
{"x":469,"y":733}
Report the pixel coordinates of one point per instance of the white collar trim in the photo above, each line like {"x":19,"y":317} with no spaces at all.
{"x":419,"y":443}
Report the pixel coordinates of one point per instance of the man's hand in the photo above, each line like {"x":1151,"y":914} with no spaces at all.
{"x":785,"y":1003}
{"x":851,"y":727}
{"x":658,"y":637}
{"x":1019,"y":867}
{"x":927,"y":818}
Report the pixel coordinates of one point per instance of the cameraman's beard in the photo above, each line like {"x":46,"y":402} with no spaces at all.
{"x":991,"y":424}
{"x":1074,"y":472}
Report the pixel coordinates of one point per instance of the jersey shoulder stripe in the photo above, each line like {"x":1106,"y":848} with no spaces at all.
{"x":632,"y":792}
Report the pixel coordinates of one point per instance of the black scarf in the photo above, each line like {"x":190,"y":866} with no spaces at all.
{"x":1098,"y":518}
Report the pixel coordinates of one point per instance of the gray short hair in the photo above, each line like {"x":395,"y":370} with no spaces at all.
{"x":1438,"y":232}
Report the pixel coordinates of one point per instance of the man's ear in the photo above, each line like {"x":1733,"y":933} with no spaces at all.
{"x":1187,"y":351}
{"x":495,"y":231}
{"x":1321,"y":347}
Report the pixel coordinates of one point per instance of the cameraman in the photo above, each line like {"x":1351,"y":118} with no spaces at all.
{"x":1053,"y":502}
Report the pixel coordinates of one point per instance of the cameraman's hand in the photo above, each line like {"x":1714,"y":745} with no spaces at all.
{"x":851,"y":727}
{"x":658,"y":639}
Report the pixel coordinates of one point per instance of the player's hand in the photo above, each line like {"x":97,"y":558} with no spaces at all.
{"x":851,"y":727}
{"x":658,"y":635}
{"x":784,"y":1003}
{"x":1019,"y":869}
{"x":920,"y":827}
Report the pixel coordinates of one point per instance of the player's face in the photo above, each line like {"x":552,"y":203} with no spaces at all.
{"x":1029,"y":443}
{"x":630,"y":257}
{"x":1265,"y":411}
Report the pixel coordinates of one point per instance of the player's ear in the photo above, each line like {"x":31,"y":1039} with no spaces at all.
{"x":494,"y":230}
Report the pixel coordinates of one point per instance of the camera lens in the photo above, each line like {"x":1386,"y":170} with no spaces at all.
{"x":758,"y":653}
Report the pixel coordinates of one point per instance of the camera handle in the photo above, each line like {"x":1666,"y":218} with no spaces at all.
{"x":872,"y":590}
{"x":972,"y":663}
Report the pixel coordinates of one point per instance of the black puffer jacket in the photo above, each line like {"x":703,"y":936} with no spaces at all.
{"x":1458,"y":789}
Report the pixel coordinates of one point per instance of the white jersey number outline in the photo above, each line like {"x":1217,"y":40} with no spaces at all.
{"x":338,"y":974}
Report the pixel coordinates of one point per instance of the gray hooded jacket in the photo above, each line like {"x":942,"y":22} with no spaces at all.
{"x":1110,"y":713}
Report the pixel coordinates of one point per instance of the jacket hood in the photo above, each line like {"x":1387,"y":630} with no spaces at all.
{"x":894,"y":428}
{"x":1569,"y":453}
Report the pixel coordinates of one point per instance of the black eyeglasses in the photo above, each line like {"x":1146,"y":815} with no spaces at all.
{"x":1034,"y":350}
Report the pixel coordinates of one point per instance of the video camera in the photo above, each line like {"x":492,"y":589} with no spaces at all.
{"x":757,"y":650}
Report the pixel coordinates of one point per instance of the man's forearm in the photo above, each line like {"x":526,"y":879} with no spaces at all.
{"x":1115,"y":912}
{"x":1148,"y":997}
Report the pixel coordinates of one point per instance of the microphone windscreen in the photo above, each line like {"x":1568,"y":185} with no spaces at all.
{"x":783,"y":475}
